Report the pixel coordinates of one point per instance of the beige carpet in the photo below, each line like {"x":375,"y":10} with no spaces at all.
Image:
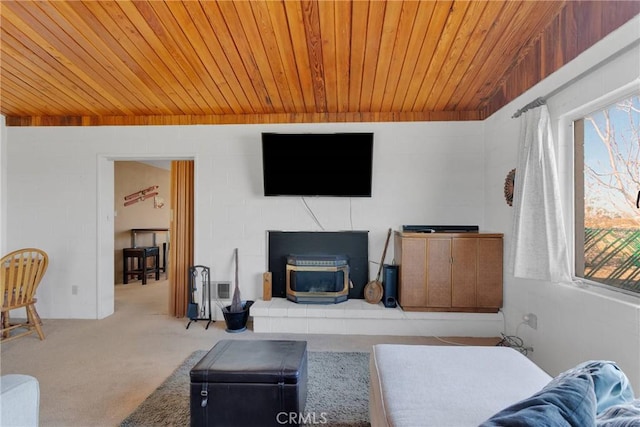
{"x":96,"y":372}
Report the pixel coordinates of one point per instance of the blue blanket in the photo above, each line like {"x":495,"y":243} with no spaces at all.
{"x":620,"y":415}
{"x":594,"y":393}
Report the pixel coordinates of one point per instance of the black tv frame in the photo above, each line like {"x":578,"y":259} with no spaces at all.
{"x":317,"y":164}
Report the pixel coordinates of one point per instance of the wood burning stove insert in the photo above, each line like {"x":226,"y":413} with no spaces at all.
{"x":317,"y":279}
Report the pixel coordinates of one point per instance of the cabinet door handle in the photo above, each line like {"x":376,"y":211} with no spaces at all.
{"x":638,"y":200}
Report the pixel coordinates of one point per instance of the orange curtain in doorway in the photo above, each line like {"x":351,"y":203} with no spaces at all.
{"x":181,"y":235}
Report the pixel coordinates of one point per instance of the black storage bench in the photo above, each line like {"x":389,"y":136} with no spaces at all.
{"x":249,"y":383}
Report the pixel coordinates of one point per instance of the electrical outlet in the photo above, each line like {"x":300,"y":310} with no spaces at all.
{"x":531,"y":320}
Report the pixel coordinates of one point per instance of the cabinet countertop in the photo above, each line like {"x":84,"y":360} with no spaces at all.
{"x":472,"y":235}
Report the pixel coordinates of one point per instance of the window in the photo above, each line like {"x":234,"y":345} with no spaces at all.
{"x":607,"y":165}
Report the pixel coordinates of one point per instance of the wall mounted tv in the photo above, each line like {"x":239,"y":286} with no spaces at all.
{"x":317,"y":164}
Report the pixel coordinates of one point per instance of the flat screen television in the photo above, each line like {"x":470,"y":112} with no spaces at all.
{"x":317,"y":164}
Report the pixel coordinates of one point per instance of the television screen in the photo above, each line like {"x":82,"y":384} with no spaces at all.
{"x":336,"y":164}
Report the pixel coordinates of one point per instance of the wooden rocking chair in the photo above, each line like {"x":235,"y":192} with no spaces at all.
{"x":20,"y":275}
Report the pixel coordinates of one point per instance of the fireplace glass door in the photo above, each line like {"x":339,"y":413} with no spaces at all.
{"x":317,"y":280}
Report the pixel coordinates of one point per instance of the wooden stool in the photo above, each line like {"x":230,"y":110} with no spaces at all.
{"x":141,"y":270}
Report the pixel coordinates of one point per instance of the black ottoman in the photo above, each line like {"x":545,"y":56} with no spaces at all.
{"x":249,"y":383}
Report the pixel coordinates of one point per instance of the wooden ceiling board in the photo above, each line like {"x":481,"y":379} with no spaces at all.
{"x":254,"y":63}
{"x":342,"y":29}
{"x":41,"y":76}
{"x":298,"y":38}
{"x":147,"y":38}
{"x":371,"y":42}
{"x":482,"y":59}
{"x":390,"y":28}
{"x":188,"y":44}
{"x":109,"y":70}
{"x":511,"y":46}
{"x":408,"y":16}
{"x":222,"y":43}
{"x":15,"y":94}
{"x":27,"y":77}
{"x":59,"y":52}
{"x":417,"y":38}
{"x":197,"y":31}
{"x":44,"y":103}
{"x":508,"y":25}
{"x":326,"y":37}
{"x":428,"y":48}
{"x":585,"y":19}
{"x":221,"y":70}
{"x":463,"y":16}
{"x":191,"y":62}
{"x":142,"y":75}
{"x":160,"y":34}
{"x":311,"y":19}
{"x":265,"y":50}
{"x":359,"y":17}
{"x":278,"y":19}
{"x":465,"y":46}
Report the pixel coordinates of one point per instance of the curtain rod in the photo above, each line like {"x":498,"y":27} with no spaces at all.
{"x":535,"y":103}
{"x":541,"y":101}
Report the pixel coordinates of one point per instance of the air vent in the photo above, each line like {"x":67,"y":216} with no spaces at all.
{"x":224,"y":290}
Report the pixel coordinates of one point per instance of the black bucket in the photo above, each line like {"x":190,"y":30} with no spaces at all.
{"x":237,"y":322}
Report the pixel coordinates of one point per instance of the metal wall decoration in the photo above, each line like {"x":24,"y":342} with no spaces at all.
{"x":141,"y":195}
{"x":509,"y":183}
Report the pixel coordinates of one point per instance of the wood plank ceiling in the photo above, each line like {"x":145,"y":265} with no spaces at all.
{"x":186,"y":62}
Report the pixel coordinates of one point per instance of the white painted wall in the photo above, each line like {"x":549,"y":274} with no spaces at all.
{"x":574,"y":324}
{"x":60,"y":196}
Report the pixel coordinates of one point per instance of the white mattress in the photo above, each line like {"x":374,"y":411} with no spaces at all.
{"x":443,"y":386}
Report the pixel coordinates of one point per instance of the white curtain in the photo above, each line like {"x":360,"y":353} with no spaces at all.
{"x":539,"y":244}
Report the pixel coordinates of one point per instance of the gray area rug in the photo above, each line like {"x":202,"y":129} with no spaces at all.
{"x":338,"y":390}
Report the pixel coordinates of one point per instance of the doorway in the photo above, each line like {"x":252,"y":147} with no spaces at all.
{"x":142,"y":212}
{"x":106,"y":231}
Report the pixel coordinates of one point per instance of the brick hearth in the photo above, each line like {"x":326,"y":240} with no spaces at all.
{"x":357,"y":317}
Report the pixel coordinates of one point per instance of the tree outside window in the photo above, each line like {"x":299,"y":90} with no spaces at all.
{"x":607,"y":195}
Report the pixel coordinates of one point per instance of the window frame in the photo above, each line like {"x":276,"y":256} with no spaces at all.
{"x":571,"y":177}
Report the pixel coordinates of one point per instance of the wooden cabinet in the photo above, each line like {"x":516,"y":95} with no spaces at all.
{"x":449,"y":271}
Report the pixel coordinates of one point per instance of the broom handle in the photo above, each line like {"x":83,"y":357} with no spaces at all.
{"x":237,"y":261}
{"x":384,"y":254}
